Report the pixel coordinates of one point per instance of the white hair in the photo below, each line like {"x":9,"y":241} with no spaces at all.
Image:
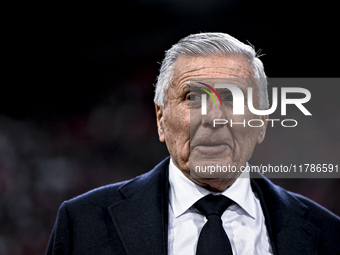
{"x":205,"y":45}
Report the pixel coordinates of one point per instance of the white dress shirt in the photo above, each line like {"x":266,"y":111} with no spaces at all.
{"x":243,"y":221}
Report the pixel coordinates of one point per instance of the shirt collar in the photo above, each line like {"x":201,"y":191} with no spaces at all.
{"x":184,"y":193}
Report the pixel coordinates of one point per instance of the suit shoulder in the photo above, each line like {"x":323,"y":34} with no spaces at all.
{"x":110,"y":193}
{"x":318,"y":214}
{"x":102,"y":196}
{"x":107,"y":195}
{"x":282,"y":200}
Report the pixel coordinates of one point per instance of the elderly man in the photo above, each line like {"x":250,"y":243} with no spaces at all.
{"x":173,"y":209}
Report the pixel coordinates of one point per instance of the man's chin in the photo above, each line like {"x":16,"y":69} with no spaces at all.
{"x":212,"y":174}
{"x":214,"y":184}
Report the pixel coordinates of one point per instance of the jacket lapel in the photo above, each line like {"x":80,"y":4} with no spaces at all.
{"x":141,"y":219}
{"x":286,"y":217}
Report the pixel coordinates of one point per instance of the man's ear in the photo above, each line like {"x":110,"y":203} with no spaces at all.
{"x":159,"y":116}
{"x":262,"y":133}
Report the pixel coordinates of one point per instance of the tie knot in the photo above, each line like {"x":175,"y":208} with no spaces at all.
{"x":211,"y":204}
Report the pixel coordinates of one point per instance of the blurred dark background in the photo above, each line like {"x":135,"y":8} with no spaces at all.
{"x":77,"y":111}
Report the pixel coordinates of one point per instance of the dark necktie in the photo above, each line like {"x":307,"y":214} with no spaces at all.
{"x":213,"y":239}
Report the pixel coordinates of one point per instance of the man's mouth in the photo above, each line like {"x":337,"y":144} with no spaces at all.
{"x":208,"y":148}
{"x":211,"y":144}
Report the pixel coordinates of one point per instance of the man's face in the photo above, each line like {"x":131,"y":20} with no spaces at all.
{"x":189,"y":136}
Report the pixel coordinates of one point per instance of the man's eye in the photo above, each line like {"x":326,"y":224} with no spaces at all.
{"x":193,"y":97}
{"x":229,"y":97}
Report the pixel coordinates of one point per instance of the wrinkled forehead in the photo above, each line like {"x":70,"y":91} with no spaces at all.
{"x":231,"y":66}
{"x":233,"y":69}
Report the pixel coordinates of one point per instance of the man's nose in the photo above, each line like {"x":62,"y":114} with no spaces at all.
{"x":214,"y":111}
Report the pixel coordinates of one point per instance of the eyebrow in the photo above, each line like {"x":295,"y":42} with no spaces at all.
{"x":194,"y":86}
{"x":190,"y":85}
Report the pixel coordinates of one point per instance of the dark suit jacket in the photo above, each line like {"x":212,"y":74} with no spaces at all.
{"x":131,"y":218}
